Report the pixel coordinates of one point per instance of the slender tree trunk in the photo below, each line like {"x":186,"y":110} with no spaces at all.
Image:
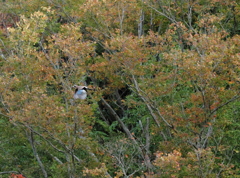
{"x":140,"y":24}
{"x":35,"y":153}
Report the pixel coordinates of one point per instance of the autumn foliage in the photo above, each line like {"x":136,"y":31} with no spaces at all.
{"x":17,"y":176}
{"x":164,"y":98}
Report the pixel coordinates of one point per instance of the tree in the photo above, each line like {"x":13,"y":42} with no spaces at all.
{"x":165,"y":80}
{"x":36,"y":91}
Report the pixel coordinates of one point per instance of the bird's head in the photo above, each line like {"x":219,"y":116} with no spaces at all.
{"x":74,"y":86}
{"x":80,"y":87}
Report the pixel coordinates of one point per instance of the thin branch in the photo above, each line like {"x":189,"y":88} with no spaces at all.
{"x":67,"y":150}
{"x":39,"y":134}
{"x":209,"y":132}
{"x":149,"y":106}
{"x":31,"y":140}
{"x":226,"y":103}
{"x":126,"y":130}
{"x":121,"y":16}
{"x":161,"y":13}
{"x":56,"y":159}
{"x":5,"y":115}
{"x":145,"y":101}
{"x":4,"y":105}
{"x":9,"y":172}
{"x":140,"y":24}
{"x":147,"y":145}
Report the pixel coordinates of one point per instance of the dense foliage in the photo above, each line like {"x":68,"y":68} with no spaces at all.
{"x":165,"y":80}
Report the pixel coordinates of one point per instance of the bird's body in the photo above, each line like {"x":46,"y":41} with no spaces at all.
{"x":80,"y":92}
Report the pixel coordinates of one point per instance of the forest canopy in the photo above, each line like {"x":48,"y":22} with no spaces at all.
{"x":164,"y":80}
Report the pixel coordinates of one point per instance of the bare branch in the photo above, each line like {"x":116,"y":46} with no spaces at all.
{"x":226,"y":103}
{"x":140,"y":24}
{"x":56,"y":159}
{"x":149,"y":106}
{"x":126,"y":130}
{"x":9,"y":172}
{"x":31,"y":141}
{"x":163,"y":14}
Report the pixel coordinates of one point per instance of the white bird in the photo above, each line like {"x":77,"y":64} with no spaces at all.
{"x":80,"y":92}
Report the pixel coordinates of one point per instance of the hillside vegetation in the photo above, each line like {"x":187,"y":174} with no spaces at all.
{"x":165,"y":89}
